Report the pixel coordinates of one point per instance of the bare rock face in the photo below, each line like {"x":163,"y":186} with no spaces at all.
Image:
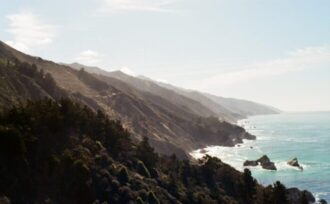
{"x":294,"y":162}
{"x":264,"y":161}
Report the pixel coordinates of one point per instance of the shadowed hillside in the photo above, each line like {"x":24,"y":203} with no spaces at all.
{"x":174,"y":124}
{"x":64,"y":152}
{"x":228,"y":109}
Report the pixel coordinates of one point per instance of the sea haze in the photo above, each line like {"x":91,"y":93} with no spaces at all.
{"x":283,"y":137}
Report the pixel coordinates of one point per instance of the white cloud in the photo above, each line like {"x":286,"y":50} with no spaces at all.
{"x":301,"y":59}
{"x":138,"y":5}
{"x":128,"y":71}
{"x":89,"y":57}
{"x":28,"y":31}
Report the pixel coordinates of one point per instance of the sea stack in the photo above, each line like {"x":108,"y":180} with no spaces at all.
{"x":264,"y":161}
{"x":294,"y":162}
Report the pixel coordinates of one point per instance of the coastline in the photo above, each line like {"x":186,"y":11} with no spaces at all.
{"x":290,"y":137}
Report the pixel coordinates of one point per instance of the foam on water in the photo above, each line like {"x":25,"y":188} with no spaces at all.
{"x":320,"y":195}
{"x":283,"y":137}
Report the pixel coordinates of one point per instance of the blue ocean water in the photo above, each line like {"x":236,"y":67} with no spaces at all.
{"x":283,"y":137}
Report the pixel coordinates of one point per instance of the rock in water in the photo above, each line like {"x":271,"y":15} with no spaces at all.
{"x":269,"y":166}
{"x":294,"y":162}
{"x":250,"y":163}
{"x":264,"y":161}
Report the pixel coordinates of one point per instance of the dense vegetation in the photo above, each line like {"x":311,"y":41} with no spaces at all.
{"x":20,"y":81}
{"x":63,"y":152}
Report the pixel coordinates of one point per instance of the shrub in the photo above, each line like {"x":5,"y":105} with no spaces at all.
{"x":279,"y":193}
{"x":154,"y":173}
{"x":125,"y":194}
{"x":11,"y":142}
{"x":143,"y":194}
{"x":146,"y":153}
{"x":139,"y":200}
{"x":142,"y":169}
{"x":99,"y":145}
{"x":123,"y":176}
{"x":152,"y":199}
{"x":115,"y":184}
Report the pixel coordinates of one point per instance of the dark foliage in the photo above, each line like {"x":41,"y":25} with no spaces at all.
{"x":63,"y":152}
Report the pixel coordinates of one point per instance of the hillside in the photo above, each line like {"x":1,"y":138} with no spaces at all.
{"x":64,"y":152}
{"x":238,"y":107}
{"x":243,"y":107}
{"x":171,"y":127}
{"x":152,"y":87}
{"x":203,"y":104}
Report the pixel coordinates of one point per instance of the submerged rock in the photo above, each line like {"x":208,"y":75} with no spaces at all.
{"x":294,"y":162}
{"x":264,"y":161}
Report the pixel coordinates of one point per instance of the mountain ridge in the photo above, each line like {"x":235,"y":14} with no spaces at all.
{"x":171,"y":127}
{"x":229,"y":109}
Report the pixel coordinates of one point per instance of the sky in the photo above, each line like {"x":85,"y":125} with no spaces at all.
{"x":275,"y":52}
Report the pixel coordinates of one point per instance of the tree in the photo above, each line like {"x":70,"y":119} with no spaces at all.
{"x":249,"y":183}
{"x":279,"y":193}
{"x":146,"y":153}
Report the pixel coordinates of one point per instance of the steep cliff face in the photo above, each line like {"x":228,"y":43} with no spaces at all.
{"x":171,"y":126}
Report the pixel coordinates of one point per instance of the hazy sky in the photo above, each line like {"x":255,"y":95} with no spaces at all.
{"x":275,"y":52}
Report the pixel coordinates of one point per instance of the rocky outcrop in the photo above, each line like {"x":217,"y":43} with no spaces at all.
{"x":250,"y":163}
{"x":263,"y":161}
{"x":297,"y":196}
{"x":266,"y":163}
{"x":294,"y":162}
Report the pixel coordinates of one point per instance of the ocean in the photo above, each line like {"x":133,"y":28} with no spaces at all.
{"x":282,"y":137}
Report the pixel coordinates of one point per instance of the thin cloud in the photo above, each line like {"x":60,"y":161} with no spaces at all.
{"x":298,"y":60}
{"x":89,"y":57}
{"x":138,"y":5}
{"x":28,"y":31}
